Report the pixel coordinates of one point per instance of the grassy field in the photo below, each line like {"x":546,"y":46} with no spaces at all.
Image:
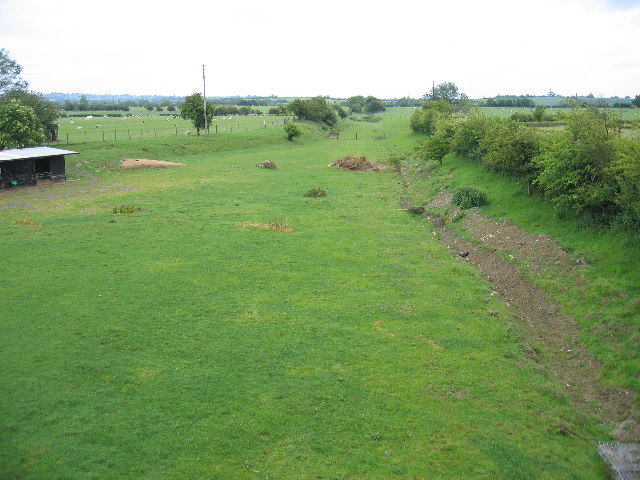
{"x":506,"y":112}
{"x":188,"y":340}
{"x":141,"y":124}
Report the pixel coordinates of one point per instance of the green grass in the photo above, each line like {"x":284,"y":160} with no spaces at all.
{"x":173,"y":342}
{"x":604,"y":298}
{"x":150,"y":125}
{"x":506,"y":112}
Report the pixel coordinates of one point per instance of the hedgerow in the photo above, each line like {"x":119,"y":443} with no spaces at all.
{"x":587,"y":169}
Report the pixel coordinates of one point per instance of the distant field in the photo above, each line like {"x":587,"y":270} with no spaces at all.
{"x":505,"y":112}
{"x":159,"y":325}
{"x":140,"y":123}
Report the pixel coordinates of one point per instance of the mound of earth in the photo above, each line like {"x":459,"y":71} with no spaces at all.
{"x":356,"y":164}
{"x":146,"y":163}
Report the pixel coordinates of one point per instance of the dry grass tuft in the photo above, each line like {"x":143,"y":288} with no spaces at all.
{"x":276,"y":225}
{"x":24,"y":221}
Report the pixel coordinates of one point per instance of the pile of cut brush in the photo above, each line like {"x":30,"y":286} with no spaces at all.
{"x":356,"y":164}
{"x":267,"y":164}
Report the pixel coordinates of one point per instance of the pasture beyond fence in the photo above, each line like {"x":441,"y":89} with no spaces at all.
{"x":97,"y":129}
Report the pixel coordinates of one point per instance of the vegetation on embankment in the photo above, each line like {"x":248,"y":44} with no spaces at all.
{"x":603,"y":297}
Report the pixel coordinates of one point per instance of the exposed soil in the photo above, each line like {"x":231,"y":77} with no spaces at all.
{"x":496,"y":249}
{"x":146,"y":163}
{"x":55,"y":197}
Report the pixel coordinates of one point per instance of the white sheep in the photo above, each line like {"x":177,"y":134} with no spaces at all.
{"x":188,"y":132}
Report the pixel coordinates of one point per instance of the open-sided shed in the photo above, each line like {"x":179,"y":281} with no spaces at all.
{"x":24,"y":166}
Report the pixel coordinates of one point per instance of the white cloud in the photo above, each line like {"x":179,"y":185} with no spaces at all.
{"x":337,"y":48}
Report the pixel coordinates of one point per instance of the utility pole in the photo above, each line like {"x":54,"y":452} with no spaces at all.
{"x":204,"y":101}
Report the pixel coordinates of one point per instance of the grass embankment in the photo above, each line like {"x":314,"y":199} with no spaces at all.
{"x":178,"y":342}
{"x":604,"y":297}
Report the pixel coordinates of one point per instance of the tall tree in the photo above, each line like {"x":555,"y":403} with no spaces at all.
{"x":10,"y":74}
{"x":447,"y":92}
{"x":193,"y":109}
{"x":424,"y":120}
{"x":373,"y":105}
{"x":46,"y":112}
{"x":313,"y":109}
{"x":18,"y":126}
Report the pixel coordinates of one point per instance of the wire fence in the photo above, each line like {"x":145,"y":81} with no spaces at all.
{"x":103,"y":132}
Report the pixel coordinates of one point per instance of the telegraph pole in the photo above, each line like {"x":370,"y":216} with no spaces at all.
{"x":204,"y":101}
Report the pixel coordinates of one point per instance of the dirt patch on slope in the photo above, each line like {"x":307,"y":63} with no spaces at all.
{"x":495,"y":250}
{"x":146,"y":163}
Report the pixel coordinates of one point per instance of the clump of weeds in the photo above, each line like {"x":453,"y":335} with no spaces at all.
{"x":124,"y":209}
{"x":316,"y":192}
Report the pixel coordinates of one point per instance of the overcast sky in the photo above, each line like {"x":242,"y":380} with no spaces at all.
{"x":338,"y":48}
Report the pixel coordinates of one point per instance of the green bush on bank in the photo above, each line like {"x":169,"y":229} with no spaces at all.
{"x":587,"y":169}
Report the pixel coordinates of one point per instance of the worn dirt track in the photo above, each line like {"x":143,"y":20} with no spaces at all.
{"x":496,"y":250}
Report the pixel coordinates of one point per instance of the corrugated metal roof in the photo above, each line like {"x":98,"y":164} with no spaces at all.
{"x":32,"y":152}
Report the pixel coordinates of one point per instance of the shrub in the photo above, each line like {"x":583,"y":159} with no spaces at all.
{"x":467,"y":197}
{"x":523,"y":117}
{"x":313,"y":109}
{"x":577,"y":165}
{"x":124,"y":209}
{"x":292,"y":130}
{"x":424,"y":120}
{"x":509,"y":148}
{"x":438,"y":145}
{"x":467,"y":136}
{"x":316,"y":192}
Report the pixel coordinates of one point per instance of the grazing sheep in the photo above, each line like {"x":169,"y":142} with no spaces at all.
{"x":98,"y":126}
{"x":188,"y":132}
{"x":79,"y":128}
{"x":89,"y":117}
